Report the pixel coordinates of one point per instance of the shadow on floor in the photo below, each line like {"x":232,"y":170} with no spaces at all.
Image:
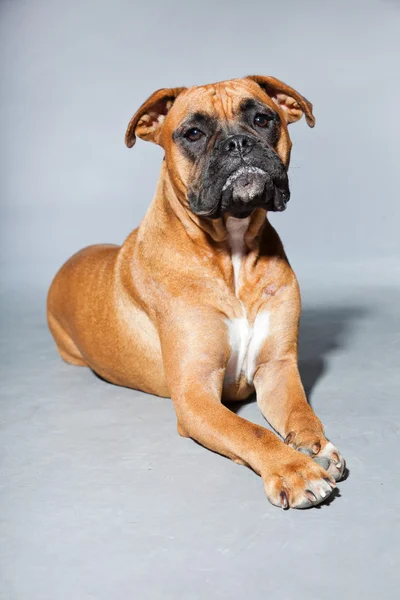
{"x":323,"y":330}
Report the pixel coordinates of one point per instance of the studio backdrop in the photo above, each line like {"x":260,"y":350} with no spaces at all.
{"x":73,"y":73}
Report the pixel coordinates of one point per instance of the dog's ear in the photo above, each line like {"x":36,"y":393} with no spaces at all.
{"x":291,"y":102}
{"x":146,"y":122}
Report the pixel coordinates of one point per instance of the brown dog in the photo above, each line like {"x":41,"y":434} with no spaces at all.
{"x":200,"y":302}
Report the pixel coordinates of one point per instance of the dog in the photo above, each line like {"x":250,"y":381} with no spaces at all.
{"x":200,"y":303}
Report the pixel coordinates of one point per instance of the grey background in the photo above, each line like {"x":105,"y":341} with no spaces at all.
{"x":74,"y":72}
{"x":100,"y":498}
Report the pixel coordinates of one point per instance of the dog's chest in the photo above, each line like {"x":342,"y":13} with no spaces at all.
{"x":245,"y":338}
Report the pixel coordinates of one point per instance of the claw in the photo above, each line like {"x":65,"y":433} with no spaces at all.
{"x":316,"y":448}
{"x":335,"y":459}
{"x":311,"y":496}
{"x":331,"y":481}
{"x":337,"y":462}
{"x":284,"y":500}
{"x":289,"y":438}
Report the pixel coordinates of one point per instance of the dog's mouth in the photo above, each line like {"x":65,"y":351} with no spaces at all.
{"x":244,"y":176}
{"x":241,"y":191}
{"x":250,"y":187}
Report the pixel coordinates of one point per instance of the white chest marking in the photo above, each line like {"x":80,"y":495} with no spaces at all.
{"x":245,"y":340}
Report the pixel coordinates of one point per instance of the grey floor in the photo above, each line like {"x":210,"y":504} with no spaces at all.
{"x":101,"y":499}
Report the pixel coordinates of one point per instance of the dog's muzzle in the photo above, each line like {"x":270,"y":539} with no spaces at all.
{"x":242,"y":174}
{"x":258,"y":181}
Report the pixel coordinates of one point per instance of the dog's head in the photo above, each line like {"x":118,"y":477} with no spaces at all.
{"x":227,"y":146}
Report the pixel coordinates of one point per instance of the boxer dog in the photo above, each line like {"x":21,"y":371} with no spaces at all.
{"x":200,"y":303}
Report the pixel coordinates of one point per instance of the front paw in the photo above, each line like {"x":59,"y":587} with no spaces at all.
{"x":296,"y":481}
{"x":321,"y":450}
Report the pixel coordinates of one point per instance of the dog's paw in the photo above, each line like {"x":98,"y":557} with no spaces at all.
{"x":321,"y":450}
{"x":298,"y":482}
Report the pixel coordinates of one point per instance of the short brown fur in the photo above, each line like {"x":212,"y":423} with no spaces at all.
{"x":151,"y":314}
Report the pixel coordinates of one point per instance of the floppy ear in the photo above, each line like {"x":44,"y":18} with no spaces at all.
{"x":147,"y":121}
{"x":291,"y":102}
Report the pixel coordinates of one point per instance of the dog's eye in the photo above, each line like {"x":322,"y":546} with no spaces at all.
{"x":262,"y":120}
{"x":193,"y":134}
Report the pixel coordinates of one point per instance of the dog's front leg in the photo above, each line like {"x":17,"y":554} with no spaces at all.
{"x":195,"y":357}
{"x":281,"y":398}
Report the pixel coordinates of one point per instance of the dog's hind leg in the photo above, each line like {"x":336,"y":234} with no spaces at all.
{"x":65,"y":346}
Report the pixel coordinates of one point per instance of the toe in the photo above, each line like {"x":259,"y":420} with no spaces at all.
{"x":299,"y":484}
{"x":323,"y":452}
{"x":316,"y":492}
{"x":337,"y":464}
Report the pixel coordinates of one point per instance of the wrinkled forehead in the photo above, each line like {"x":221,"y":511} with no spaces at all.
{"x":223,"y":100}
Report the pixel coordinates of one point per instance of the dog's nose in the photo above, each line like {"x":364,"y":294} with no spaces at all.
{"x":237,"y":144}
